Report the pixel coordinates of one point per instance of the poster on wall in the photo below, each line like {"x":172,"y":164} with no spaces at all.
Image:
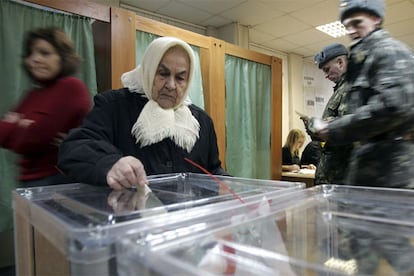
{"x":315,"y":94}
{"x":309,"y":101}
{"x":319,"y":105}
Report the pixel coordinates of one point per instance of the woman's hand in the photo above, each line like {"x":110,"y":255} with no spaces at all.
{"x":58,"y":139}
{"x":12,"y":117}
{"x":125,"y":173}
{"x":17,"y":118}
{"x":291,"y":168}
{"x":310,"y":167}
{"x":127,"y":200}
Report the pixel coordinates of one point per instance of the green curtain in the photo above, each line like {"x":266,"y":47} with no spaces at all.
{"x":143,"y":39}
{"x":248,"y":103}
{"x":15,"y":20}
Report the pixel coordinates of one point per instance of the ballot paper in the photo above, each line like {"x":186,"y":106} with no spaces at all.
{"x":301,"y":114}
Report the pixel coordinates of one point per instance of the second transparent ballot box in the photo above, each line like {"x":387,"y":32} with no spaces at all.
{"x":325,"y":230}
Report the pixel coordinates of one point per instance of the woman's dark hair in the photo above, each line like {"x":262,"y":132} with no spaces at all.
{"x":61,"y":42}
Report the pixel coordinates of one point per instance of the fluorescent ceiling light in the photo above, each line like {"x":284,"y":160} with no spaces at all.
{"x":334,"y":29}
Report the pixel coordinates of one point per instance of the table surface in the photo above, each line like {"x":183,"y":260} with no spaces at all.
{"x":304,"y":173}
{"x":306,"y":177}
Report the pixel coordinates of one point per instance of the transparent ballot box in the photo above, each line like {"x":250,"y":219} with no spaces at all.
{"x":73,"y":227}
{"x":324,"y":230}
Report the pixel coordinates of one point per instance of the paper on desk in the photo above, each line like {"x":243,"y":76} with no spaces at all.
{"x":306,"y":171}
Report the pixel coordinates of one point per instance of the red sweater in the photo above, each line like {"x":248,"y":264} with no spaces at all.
{"x":55,"y":108}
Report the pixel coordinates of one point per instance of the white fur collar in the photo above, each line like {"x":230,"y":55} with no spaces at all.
{"x":155,"y":124}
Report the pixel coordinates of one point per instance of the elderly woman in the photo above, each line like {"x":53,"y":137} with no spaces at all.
{"x":145,"y":128}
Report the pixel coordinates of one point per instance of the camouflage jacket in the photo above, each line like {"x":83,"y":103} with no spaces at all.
{"x":335,"y":107}
{"x":379,"y":90}
{"x":334,"y":160}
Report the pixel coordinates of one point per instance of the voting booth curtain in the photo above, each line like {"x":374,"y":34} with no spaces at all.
{"x":248,"y":109}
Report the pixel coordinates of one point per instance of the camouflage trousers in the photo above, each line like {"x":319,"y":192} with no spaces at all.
{"x":390,"y":239}
{"x":333,"y":165}
{"x":386,"y":163}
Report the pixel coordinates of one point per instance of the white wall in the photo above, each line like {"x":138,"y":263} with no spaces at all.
{"x":295,"y":93}
{"x":316,"y":90}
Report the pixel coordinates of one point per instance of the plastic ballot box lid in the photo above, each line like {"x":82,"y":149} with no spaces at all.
{"x":81,"y":220}
{"x":324,"y":230}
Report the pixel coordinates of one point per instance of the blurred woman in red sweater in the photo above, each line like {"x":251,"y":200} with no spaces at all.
{"x":56,"y":103}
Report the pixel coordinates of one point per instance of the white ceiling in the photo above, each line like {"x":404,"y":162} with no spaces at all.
{"x":283,"y":25}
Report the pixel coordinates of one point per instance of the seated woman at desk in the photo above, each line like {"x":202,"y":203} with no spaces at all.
{"x":290,"y":151}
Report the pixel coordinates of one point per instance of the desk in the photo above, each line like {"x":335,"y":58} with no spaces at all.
{"x":307,"y":178}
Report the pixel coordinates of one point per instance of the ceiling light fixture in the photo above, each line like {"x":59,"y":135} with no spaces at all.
{"x":334,"y":29}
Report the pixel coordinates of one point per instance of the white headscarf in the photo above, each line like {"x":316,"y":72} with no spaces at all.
{"x":155,"y":123}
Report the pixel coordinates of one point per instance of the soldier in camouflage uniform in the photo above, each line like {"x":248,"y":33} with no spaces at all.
{"x":379,"y":89}
{"x":380,"y":98}
{"x":332,"y":167}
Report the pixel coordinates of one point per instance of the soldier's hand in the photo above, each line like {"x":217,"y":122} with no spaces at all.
{"x":305,"y":119}
{"x":308,"y":121}
{"x":317,"y":129}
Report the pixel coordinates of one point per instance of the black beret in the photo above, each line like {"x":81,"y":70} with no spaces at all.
{"x":330,"y":52}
